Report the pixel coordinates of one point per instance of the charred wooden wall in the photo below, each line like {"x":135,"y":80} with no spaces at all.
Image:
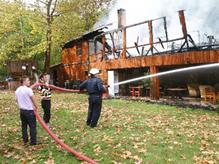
{"x":184,"y":59}
{"x":75,"y":66}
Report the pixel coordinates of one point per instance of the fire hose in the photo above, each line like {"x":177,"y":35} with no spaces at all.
{"x":47,"y":129}
{"x":55,"y":87}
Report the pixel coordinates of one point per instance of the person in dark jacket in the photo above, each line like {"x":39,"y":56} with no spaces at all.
{"x":95,"y":89}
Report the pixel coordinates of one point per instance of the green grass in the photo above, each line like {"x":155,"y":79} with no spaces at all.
{"x":127,"y":132}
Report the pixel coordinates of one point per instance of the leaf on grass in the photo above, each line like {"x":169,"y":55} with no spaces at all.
{"x":142,"y":150}
{"x":170,"y":147}
{"x":118,"y":145}
{"x":16,"y":157}
{"x":3,"y":125}
{"x":97,"y":149}
{"x":23,"y":161}
{"x":169,"y":132}
{"x":33,"y":162}
{"x":115,"y":162}
{"x":169,"y":160}
{"x":190,"y":142}
{"x":18,"y":146}
{"x":208,"y":153}
{"x":196,"y":158}
{"x":8,"y":154}
{"x":208,"y":162}
{"x":39,"y":147}
{"x":126,"y":154}
{"x":137,"y":159}
{"x":182,"y":157}
{"x":49,"y":161}
{"x":29,"y":158}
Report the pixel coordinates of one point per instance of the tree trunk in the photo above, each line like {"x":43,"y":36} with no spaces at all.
{"x":49,"y":19}
{"x":48,"y":48}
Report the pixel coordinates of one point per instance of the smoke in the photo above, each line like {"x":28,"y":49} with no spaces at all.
{"x":201,"y":16}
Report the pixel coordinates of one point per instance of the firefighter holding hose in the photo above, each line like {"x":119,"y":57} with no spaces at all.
{"x":95,"y":89}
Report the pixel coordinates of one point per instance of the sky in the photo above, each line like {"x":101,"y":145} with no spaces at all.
{"x":201,"y":15}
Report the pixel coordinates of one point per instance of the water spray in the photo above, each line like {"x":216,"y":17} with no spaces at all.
{"x":168,"y":72}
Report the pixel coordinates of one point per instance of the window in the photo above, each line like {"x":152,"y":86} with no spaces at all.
{"x":79,"y":48}
{"x":99,"y":47}
{"x":91,"y":47}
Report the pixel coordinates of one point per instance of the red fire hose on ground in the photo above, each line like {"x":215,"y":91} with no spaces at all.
{"x":46,"y":128}
{"x":55,"y":87}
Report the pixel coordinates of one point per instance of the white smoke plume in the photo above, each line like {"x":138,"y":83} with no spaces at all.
{"x":201,"y":15}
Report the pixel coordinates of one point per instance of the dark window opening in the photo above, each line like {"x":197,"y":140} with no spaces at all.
{"x":91,"y":47}
{"x":79,"y":48}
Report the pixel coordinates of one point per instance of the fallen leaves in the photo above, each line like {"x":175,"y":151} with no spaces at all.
{"x":137,"y":159}
{"x":201,"y":160}
{"x":18,"y":146}
{"x":126,"y":154}
{"x":8,"y":154}
{"x":23,"y":161}
{"x":127,"y":132}
{"x":97,"y":148}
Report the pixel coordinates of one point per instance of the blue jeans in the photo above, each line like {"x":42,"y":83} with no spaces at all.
{"x":28,"y":119}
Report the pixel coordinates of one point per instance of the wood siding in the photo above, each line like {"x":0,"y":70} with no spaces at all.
{"x":76,"y":66}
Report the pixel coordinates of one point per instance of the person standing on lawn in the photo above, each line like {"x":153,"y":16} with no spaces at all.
{"x":27,"y":104}
{"x":45,"y":97}
{"x":95,"y":89}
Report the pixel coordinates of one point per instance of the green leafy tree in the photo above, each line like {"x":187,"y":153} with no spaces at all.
{"x":21,"y":32}
{"x":67,"y":19}
{"x":36,"y":31}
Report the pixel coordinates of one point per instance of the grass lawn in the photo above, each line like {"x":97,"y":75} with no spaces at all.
{"x":127,"y":132}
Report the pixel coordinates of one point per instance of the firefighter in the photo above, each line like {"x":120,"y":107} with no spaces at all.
{"x":95,"y":89}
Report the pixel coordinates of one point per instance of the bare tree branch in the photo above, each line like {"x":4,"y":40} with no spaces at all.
{"x":54,"y":8}
{"x":39,"y":8}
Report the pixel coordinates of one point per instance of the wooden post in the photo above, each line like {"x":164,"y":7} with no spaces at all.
{"x":155,"y":87}
{"x":183,"y":24}
{"x":165,"y":28}
{"x":150,"y":27}
{"x":124,"y":44}
{"x":103,"y":39}
{"x":121,"y":24}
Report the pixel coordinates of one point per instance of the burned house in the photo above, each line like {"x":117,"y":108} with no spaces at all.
{"x":120,"y":59}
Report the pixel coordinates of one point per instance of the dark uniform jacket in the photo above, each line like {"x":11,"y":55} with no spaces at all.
{"x":94,"y":86}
